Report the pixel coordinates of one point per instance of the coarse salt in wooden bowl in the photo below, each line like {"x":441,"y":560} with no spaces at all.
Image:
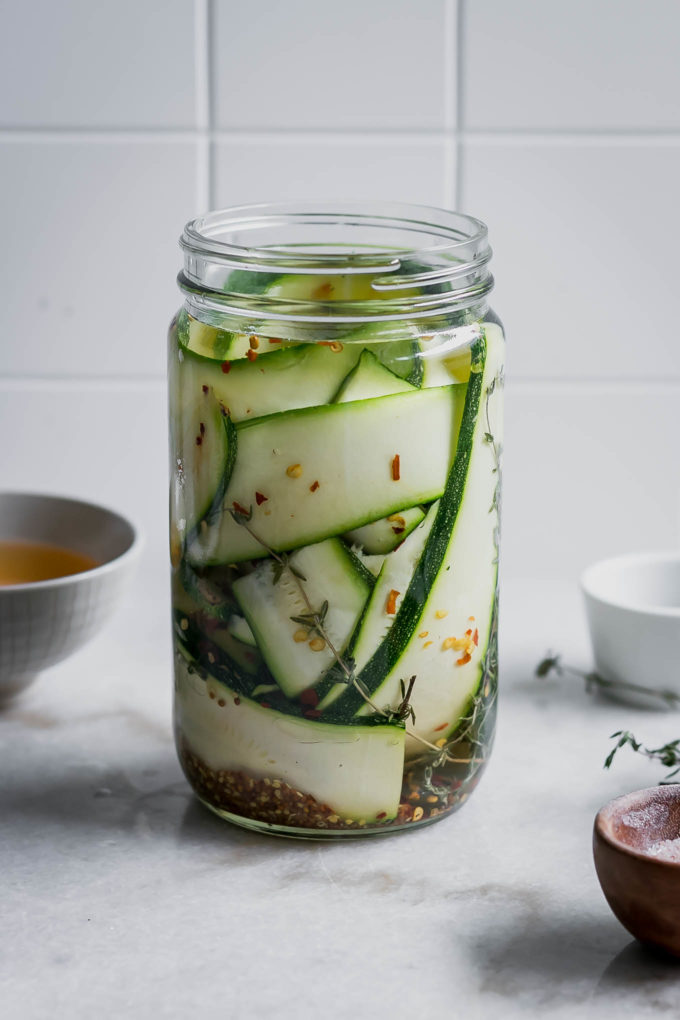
{"x":636,"y":845}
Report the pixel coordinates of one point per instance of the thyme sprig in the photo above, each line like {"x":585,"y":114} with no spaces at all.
{"x":314,"y":622}
{"x":668,"y":754}
{"x":594,"y":682}
{"x":315,"y":619}
{"x":498,"y":381}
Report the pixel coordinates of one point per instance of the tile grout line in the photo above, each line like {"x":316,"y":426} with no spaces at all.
{"x":211,"y":94}
{"x":450,"y":170}
{"x":360,"y":136}
{"x":460,"y":104}
{"x":203,"y":105}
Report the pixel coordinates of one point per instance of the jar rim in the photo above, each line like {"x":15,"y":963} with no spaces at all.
{"x":219,"y":233}
{"x":418,"y":260}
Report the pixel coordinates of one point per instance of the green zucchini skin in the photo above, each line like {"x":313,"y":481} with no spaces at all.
{"x":410,"y":611}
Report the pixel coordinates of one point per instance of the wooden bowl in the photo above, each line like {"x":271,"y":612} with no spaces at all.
{"x":637,"y":860}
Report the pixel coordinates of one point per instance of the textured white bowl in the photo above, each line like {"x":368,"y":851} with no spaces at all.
{"x":633,"y":609}
{"x":43,"y":622}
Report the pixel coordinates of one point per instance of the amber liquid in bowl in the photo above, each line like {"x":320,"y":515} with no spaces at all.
{"x":26,"y":562}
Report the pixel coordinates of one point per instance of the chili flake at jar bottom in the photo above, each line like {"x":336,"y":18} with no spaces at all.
{"x":336,"y":384}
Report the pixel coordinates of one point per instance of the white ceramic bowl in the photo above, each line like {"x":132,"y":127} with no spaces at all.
{"x":43,"y":622}
{"x":633,"y":609}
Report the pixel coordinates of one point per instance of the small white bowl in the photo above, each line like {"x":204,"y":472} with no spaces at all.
{"x":633,"y":610}
{"x":43,"y":622}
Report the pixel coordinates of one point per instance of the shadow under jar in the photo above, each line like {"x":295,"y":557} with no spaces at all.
{"x":336,"y":383}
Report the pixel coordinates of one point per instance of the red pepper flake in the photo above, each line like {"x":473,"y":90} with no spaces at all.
{"x":206,"y":389}
{"x":475,"y":637}
{"x":199,"y":440}
{"x":251,"y":355}
{"x":383,"y":814}
{"x":239,"y":509}
{"x":237,"y":700}
{"x":260,"y":499}
{"x":226,"y":367}
{"x":274,"y":340}
{"x":312,"y":713}
{"x":463,"y":659}
{"x":395,"y":468}
{"x":391,"y":604}
{"x":309,"y":697}
{"x":442,"y":727}
{"x":398,"y":531}
{"x":468,"y":633}
{"x":265,"y":704}
{"x":323,"y":291}
{"x":314,"y":486}
{"x":201,"y":428}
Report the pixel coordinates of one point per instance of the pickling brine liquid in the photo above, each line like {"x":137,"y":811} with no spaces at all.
{"x":26,"y":562}
{"x":334,"y":543}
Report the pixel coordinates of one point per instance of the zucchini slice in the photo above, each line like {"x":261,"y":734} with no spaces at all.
{"x":442,"y":624}
{"x":269,"y":598}
{"x":310,"y":474}
{"x":383,"y":536}
{"x":356,"y":770}
{"x":204,"y":454}
{"x":302,"y":375}
{"x":369,"y":378}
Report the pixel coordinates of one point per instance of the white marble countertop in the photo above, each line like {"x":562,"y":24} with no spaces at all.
{"x":122,"y":897}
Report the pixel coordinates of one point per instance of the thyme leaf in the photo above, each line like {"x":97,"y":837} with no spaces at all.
{"x":667,"y":755}
{"x":240,"y":514}
{"x":593,"y":681}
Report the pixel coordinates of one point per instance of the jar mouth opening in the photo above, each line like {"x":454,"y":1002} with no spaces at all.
{"x":261,"y":235}
{"x":415,"y":260}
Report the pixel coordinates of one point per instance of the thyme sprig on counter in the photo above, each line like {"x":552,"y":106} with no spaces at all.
{"x":594,"y":682}
{"x":668,"y":754}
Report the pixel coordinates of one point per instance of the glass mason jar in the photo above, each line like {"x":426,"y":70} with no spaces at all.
{"x":335,"y":384}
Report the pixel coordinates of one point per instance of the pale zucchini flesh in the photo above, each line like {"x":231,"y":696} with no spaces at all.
{"x":320,"y":477}
{"x":381,"y":537}
{"x":356,"y":770}
{"x":295,"y":654}
{"x":303,"y":375}
{"x":369,"y":378}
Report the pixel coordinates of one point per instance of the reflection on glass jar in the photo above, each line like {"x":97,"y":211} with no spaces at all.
{"x":336,"y":383}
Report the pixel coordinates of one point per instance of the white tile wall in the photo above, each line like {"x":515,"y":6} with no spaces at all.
{"x":108,"y":64}
{"x":586,"y":264}
{"x":90,"y":233}
{"x":595,"y":64}
{"x":302,"y":64}
{"x":556,"y":123}
{"x":338,"y":167}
